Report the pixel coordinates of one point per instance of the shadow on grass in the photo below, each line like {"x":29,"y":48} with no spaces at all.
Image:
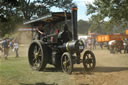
{"x":83,"y":84}
{"x":52,"y":69}
{"x":81,"y":70}
{"x":41,"y":83}
{"x":110,"y":69}
{"x":100,"y":69}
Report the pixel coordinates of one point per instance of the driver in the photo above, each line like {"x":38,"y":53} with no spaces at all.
{"x":40,"y":31}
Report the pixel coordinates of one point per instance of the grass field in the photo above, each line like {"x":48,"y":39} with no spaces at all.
{"x":111,"y":69}
{"x":16,"y":71}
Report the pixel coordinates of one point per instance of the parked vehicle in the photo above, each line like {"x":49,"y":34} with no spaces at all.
{"x":117,"y":46}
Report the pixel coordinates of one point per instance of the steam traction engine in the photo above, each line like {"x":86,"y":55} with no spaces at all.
{"x":58,"y":48}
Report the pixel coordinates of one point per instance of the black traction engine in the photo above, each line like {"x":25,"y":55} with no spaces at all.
{"x":61,"y":49}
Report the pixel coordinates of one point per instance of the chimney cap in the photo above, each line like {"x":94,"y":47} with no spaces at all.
{"x":74,"y":7}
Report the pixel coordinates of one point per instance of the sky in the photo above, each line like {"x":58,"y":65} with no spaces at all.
{"x":82,"y":9}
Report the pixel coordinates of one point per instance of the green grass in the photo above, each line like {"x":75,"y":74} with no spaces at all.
{"x":16,"y":71}
{"x":13,"y":69}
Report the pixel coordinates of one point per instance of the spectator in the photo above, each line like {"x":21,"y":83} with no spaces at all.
{"x":125,"y":43}
{"x":101,"y":45}
{"x":16,"y":46}
{"x":86,"y":42}
{"x":94,"y":43}
{"x":11,"y":44}
{"x":89,"y":43}
{"x":5,"y":47}
{"x":1,"y":50}
{"x":112,"y":45}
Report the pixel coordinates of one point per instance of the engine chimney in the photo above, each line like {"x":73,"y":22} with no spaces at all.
{"x":74,"y":22}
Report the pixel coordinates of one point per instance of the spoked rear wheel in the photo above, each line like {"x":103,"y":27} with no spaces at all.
{"x":89,"y":61}
{"x":66,"y":63}
{"x":36,"y":56}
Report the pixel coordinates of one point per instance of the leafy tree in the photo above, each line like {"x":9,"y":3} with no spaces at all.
{"x":41,"y":7}
{"x":83,"y":27}
{"x":8,"y":17}
{"x":13,"y":12}
{"x":96,"y":24}
{"x":115,"y":10}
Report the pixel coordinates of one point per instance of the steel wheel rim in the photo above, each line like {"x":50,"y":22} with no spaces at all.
{"x":35,"y":57}
{"x":89,"y":61}
{"x":66,"y":63}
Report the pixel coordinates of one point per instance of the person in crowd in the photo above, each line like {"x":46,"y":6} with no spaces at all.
{"x":89,"y":43}
{"x":5,"y":46}
{"x":1,"y":50}
{"x":125,"y":44}
{"x":86,"y":42}
{"x":16,"y":46}
{"x":101,"y":45}
{"x":11,"y":44}
{"x":94,"y":43}
{"x":112,"y":44}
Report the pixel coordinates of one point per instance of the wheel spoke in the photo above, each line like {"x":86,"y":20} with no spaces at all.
{"x":39,"y":51}
{"x":90,"y":65}
{"x":35,"y":49}
{"x":87,"y":56}
{"x":64,"y":65}
{"x":38,"y":63}
{"x":64,"y":57}
{"x":89,"y":61}
{"x":67,"y":63}
{"x":36,"y":57}
{"x":35,"y":63}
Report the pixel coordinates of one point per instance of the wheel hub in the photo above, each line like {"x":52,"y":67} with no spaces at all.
{"x":89,"y":61}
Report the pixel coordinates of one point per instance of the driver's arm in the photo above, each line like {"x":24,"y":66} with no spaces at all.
{"x":40,"y":31}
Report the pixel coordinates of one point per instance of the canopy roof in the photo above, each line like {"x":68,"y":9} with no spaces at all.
{"x":50,"y":18}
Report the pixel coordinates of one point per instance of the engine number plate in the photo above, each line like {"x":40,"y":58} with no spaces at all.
{"x":81,"y":47}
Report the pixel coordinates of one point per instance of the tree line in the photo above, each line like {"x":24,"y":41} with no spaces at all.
{"x":108,"y":16}
{"x":14,"y":12}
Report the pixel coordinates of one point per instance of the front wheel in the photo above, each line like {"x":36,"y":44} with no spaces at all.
{"x":89,"y":61}
{"x":67,"y":63}
{"x":36,"y":56}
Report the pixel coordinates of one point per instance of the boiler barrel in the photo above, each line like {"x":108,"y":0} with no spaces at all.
{"x":75,"y":46}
